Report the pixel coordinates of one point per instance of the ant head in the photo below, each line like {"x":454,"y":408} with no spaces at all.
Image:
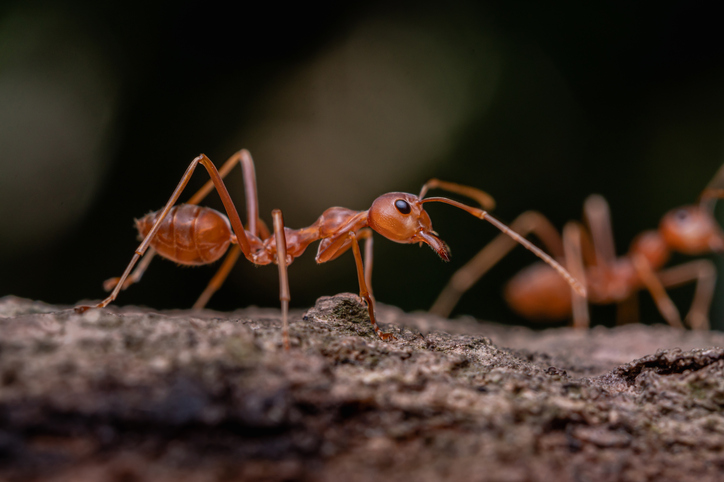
{"x":400,"y":217}
{"x":691,"y":230}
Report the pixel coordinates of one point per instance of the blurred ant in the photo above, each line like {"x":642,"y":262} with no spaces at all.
{"x":537,"y":294}
{"x":191,"y":235}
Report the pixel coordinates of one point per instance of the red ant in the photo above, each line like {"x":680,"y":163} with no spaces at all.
{"x":537,"y":294}
{"x":191,"y":235}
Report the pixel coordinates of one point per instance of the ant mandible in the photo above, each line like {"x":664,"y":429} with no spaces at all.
{"x":588,"y":253}
{"x":192,"y":235}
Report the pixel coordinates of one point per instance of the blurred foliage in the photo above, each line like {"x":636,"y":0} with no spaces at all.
{"x":538,"y":103}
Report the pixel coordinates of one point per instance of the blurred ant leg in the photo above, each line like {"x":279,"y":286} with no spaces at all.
{"x":598,"y":218}
{"x":231,"y":257}
{"x":704,"y":273}
{"x":654,"y":286}
{"x":572,"y":233}
{"x":485,"y":200}
{"x":233,"y":215}
{"x":135,"y":277}
{"x":284,"y":295}
{"x":713,"y":191}
{"x":264,"y":232}
{"x":464,"y":278}
{"x":364,"y":292}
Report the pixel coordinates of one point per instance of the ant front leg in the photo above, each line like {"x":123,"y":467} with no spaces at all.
{"x":364,"y":279}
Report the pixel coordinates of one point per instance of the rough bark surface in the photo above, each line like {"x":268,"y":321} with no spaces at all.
{"x":128,"y":394}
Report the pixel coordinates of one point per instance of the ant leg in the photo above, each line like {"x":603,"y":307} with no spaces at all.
{"x":704,"y":273}
{"x":231,"y":257}
{"x":247,"y":164}
{"x":233,"y":215}
{"x":465,"y":277}
{"x":135,"y":277}
{"x":574,"y":263}
{"x":263,"y":230}
{"x":282,"y":262}
{"x":368,"y":258}
{"x":243,"y":157}
{"x":144,"y":244}
{"x":652,"y":283}
{"x":364,"y":293}
{"x":254,"y":223}
{"x":598,"y":219}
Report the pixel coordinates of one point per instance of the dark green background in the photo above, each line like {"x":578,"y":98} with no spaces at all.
{"x":634,"y":110}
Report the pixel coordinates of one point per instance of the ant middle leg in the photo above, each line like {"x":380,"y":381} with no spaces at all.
{"x":703,"y":272}
{"x":364,"y":280}
{"x":656,"y":288}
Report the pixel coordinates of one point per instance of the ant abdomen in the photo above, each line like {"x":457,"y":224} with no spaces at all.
{"x":539,"y":293}
{"x":190,"y":235}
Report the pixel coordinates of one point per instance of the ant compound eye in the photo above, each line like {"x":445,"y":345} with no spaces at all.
{"x":682,"y":215}
{"x":403,"y":206}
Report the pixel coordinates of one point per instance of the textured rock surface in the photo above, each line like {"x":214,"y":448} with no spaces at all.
{"x":129,"y":394}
